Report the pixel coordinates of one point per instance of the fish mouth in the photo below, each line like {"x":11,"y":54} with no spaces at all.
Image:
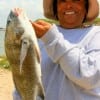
{"x":17,"y":11}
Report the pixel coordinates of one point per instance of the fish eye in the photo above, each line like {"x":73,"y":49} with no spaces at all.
{"x":8,"y":22}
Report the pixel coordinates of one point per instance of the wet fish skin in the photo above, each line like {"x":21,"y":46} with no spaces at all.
{"x":23,"y":54}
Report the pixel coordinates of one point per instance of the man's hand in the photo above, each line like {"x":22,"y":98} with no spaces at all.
{"x":41,"y":27}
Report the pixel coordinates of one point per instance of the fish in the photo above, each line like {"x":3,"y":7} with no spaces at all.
{"x":23,"y":53}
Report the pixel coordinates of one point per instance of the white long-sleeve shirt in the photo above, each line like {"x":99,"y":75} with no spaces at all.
{"x":71,"y":63}
{"x":73,"y":70}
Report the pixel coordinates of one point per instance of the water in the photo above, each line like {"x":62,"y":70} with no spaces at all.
{"x":2,"y":49}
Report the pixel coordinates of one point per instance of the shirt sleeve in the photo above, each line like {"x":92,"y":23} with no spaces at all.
{"x":80,"y":65}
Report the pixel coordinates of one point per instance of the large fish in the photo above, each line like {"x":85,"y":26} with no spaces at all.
{"x":23,"y":53}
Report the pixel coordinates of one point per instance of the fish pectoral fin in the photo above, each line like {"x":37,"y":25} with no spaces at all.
{"x":23,"y":53}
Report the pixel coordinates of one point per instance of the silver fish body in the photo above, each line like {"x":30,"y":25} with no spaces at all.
{"x":23,"y":54}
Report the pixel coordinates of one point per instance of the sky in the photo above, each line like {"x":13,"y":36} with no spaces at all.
{"x":33,"y":8}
